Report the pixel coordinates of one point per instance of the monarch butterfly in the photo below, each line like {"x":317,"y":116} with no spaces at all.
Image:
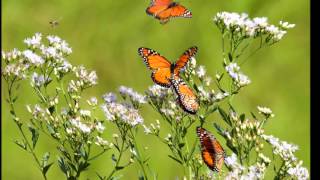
{"x":166,"y":9}
{"x":212,"y":152}
{"x":162,"y":69}
{"x":186,"y":98}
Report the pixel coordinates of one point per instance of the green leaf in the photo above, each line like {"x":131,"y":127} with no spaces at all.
{"x":45,"y":158}
{"x":51,"y":109}
{"x":46,"y":168}
{"x":83,"y":166}
{"x":181,"y":145}
{"x":254,"y":116}
{"x":12,"y":113}
{"x":192,"y":150}
{"x":100,"y":177}
{"x":20,"y":144}
{"x":35,"y":136}
{"x":230,"y":57}
{"x":219,"y":129}
{"x":14,"y":99}
{"x":119,"y":167}
{"x":83,"y":153}
{"x":63,"y":166}
{"x":175,"y":159}
{"x":64,"y":152}
{"x":242,"y":117}
{"x":224,"y":116}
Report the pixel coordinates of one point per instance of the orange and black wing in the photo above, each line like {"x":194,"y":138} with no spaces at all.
{"x":159,"y":65}
{"x":187,"y":99}
{"x":157,"y":6}
{"x":173,"y":10}
{"x":212,"y":152}
{"x":166,"y":9}
{"x":184,"y":59}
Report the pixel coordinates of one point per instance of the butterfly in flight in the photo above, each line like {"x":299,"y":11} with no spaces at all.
{"x":211,"y":150}
{"x":164,"y":10}
{"x":186,"y":98}
{"x":162,"y":69}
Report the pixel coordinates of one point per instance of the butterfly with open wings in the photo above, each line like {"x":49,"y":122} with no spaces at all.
{"x":164,"y":10}
{"x":166,"y":74}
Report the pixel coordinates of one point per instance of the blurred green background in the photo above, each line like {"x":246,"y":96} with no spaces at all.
{"x":105,"y":36}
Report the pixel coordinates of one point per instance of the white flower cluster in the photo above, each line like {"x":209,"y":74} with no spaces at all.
{"x":265,"y":111}
{"x":282,"y":148}
{"x":84,"y":128}
{"x":286,"y":151}
{"x":153,"y":129}
{"x":85,"y":77}
{"x":38,"y":80}
{"x":243,"y":26}
{"x":156,"y":91}
{"x":299,"y":172}
{"x":37,"y":54}
{"x":254,"y":172}
{"x":133,"y":95}
{"x":238,"y":77}
{"x":123,"y":111}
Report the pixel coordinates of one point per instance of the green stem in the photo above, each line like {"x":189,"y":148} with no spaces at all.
{"x":140,"y":160}
{"x":31,"y":150}
{"x":118,"y":160}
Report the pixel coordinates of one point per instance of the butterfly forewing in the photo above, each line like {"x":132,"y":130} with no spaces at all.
{"x":184,"y":59}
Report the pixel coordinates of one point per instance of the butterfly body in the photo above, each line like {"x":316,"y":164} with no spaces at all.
{"x":211,"y":150}
{"x":164,"y":10}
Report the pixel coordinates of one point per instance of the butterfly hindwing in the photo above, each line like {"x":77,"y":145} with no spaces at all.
{"x":159,"y":65}
{"x":212,"y":152}
{"x":187,"y":98}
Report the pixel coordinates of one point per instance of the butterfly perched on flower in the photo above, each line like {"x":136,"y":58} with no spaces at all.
{"x":164,"y":10}
{"x":211,"y":150}
{"x":162,"y":69}
{"x":186,"y":97}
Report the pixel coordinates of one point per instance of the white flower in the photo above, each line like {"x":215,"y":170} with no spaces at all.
{"x":100,"y":127}
{"x":261,"y":21}
{"x":286,"y":25}
{"x":34,"y":41}
{"x":231,"y":161}
{"x":85,"y":113}
{"x":88,"y":78}
{"x":134,"y":96}
{"x":298,"y":172}
{"x":157,"y":91}
{"x":282,"y":148}
{"x":265,"y":110}
{"x":146,"y":129}
{"x":234,"y":71}
{"x":101,"y":142}
{"x":109,"y":97}
{"x":53,"y":39}
{"x":81,"y":126}
{"x":124,"y":112}
{"x":93,"y":101}
{"x":33,"y":58}
{"x":38,"y":80}
{"x":201,"y":71}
